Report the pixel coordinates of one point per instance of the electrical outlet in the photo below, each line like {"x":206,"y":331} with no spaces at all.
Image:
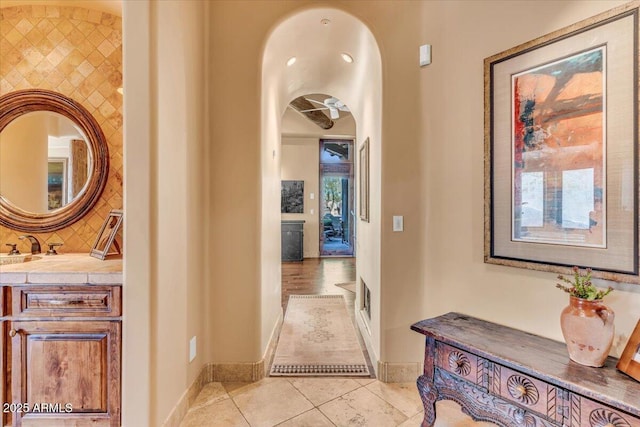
{"x":312,"y":211}
{"x":192,"y":349}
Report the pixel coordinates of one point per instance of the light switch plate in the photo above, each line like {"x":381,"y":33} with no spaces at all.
{"x":192,"y":349}
{"x":425,"y":55}
{"x":312,"y":196}
{"x":398,"y":223}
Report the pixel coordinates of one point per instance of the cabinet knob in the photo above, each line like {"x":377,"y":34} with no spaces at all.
{"x":12,"y":333}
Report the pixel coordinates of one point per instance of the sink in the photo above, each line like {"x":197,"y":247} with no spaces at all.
{"x":16,"y":259}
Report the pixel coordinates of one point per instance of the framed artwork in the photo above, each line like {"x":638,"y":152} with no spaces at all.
{"x":561,"y":156}
{"x":292,"y":197}
{"x":107,"y":236}
{"x":629,"y":362}
{"x":56,"y":183}
{"x":364,"y":181}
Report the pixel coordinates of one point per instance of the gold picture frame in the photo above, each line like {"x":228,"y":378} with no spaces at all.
{"x":363,"y":199}
{"x":107,"y":236}
{"x":629,"y":362}
{"x":561,"y":137}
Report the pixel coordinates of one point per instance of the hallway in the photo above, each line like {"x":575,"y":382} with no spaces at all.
{"x":319,"y":276}
{"x":312,"y":401}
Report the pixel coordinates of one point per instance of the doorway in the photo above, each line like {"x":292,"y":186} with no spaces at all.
{"x":337,"y":215}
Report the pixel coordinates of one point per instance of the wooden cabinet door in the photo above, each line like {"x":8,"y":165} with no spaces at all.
{"x":66,"y":373}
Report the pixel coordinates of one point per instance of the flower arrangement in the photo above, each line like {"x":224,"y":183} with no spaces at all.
{"x":581,"y":286}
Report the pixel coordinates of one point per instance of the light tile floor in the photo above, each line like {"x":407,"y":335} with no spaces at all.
{"x":317,"y":402}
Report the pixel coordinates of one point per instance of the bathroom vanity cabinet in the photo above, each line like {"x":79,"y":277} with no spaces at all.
{"x":61,"y":353}
{"x":60,"y":350}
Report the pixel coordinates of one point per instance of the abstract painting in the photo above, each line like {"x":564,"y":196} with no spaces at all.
{"x":559,"y":154}
{"x":561,"y":150}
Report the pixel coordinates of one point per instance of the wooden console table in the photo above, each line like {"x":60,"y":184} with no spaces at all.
{"x":513,"y":378}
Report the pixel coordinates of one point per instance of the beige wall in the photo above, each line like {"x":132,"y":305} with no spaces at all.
{"x":300,"y":161}
{"x":235,"y":163}
{"x":138,"y":376}
{"x":24,"y":156}
{"x":178,"y":288}
{"x":268,"y":231}
{"x":77,"y":52}
{"x":165,"y":294}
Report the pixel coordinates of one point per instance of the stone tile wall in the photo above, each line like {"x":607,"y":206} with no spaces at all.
{"x":76,"y":52}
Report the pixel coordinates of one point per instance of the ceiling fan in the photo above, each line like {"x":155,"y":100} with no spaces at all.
{"x":334,"y":105}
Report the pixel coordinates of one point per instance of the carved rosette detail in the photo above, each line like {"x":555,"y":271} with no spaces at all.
{"x":459,"y":363}
{"x":523,"y":390}
{"x":606,"y":418}
{"x":523,"y":419}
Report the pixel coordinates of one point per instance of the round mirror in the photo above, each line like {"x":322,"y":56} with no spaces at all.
{"x":45,"y":162}
{"x":53,"y":160}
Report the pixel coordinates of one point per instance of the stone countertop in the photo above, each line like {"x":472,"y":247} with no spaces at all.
{"x":63,"y":269}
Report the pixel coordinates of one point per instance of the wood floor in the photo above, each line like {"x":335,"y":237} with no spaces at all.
{"x":318,"y":276}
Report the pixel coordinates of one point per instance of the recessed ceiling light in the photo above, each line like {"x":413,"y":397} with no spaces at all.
{"x":291,"y":61}
{"x":346,"y":57}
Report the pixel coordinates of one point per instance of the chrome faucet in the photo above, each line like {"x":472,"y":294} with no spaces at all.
{"x":35,"y":245}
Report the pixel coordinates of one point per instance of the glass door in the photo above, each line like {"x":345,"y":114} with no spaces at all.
{"x":337,"y":216}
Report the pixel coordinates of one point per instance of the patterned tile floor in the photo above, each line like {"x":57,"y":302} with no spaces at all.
{"x":317,"y":402}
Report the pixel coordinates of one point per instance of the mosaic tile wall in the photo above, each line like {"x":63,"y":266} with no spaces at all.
{"x":76,"y":52}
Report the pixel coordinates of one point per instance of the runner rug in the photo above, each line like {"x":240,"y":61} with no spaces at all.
{"x":318,"y":339}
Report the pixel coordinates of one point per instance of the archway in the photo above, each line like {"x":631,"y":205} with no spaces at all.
{"x":318,"y":38}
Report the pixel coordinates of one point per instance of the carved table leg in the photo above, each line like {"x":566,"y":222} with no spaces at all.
{"x":429,"y":394}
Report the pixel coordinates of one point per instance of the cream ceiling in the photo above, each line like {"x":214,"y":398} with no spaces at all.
{"x":317,"y":37}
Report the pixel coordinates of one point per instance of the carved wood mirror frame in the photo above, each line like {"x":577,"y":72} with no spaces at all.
{"x":15,"y":104}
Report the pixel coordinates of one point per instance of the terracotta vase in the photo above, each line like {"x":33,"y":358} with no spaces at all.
{"x":588,"y":330}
